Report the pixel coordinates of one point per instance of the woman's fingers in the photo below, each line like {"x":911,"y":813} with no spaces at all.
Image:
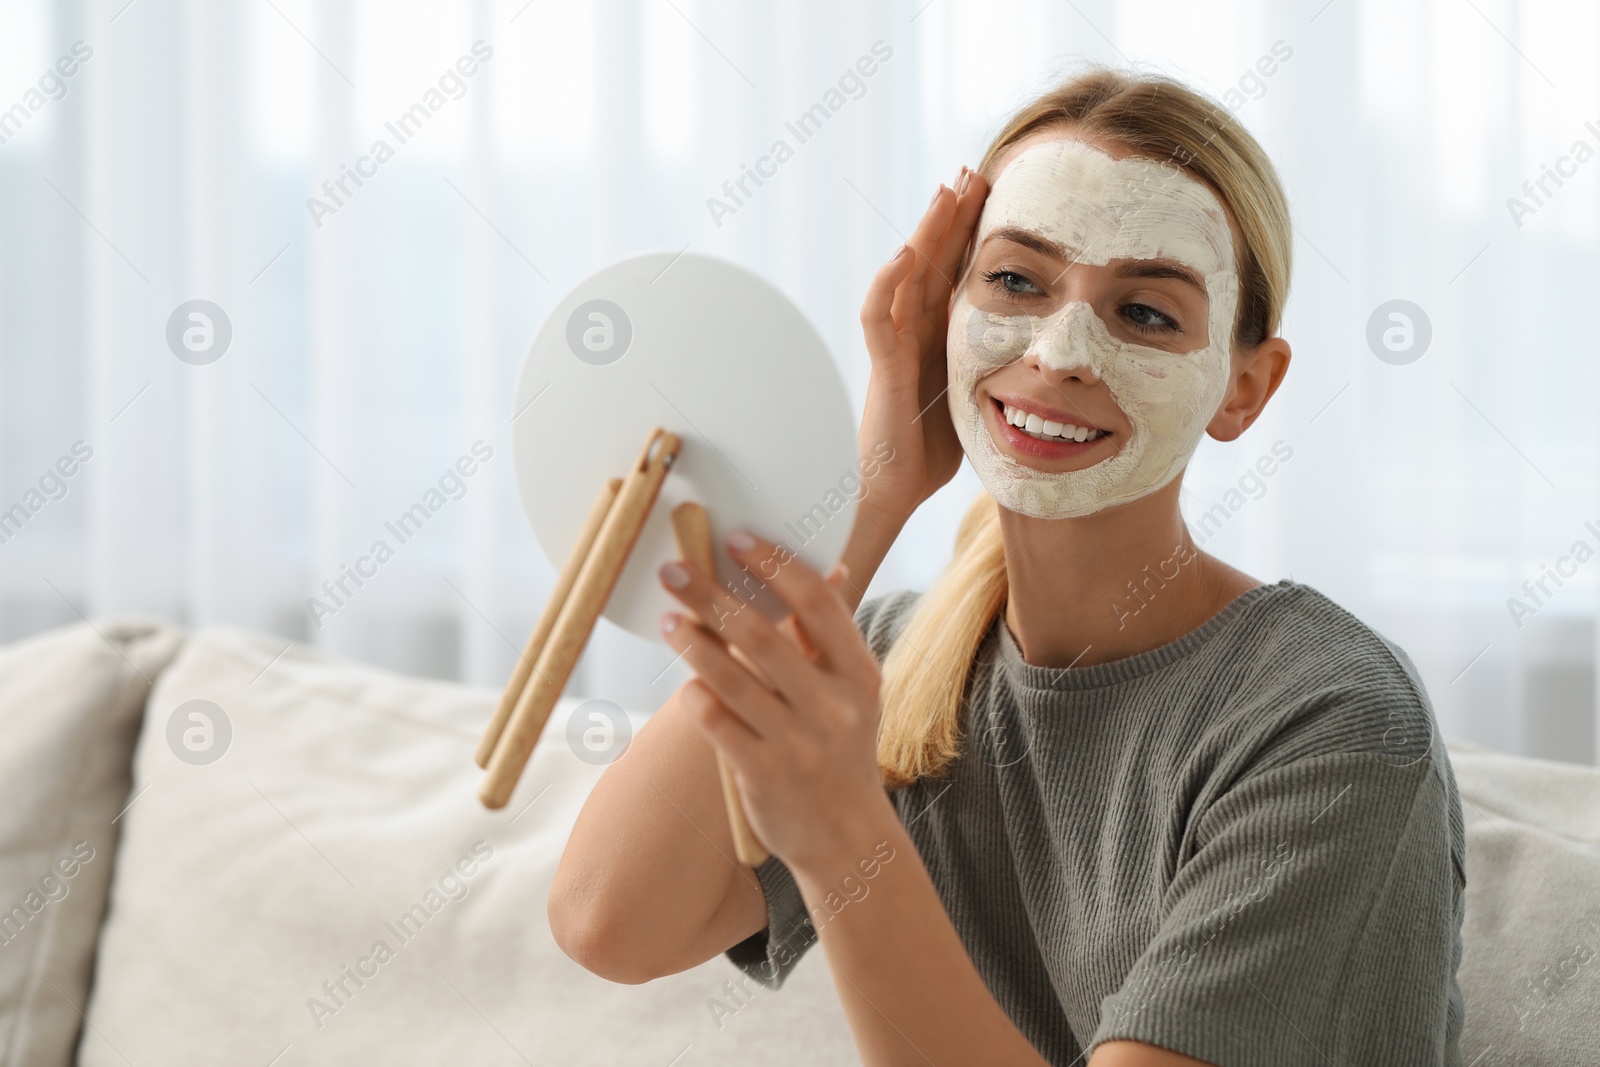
{"x":744,"y":696}
{"x":877,"y":321}
{"x":728,"y":731}
{"x":732,"y":620}
{"x":955,"y":239}
{"x":828,"y":625}
{"x":837,"y":579}
{"x":911,"y":297}
{"x":919,"y":277}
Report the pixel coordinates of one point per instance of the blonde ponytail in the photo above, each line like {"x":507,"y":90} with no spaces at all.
{"x":928,"y":665}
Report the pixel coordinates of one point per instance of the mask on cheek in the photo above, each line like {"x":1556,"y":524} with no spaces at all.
{"x":1103,"y":209}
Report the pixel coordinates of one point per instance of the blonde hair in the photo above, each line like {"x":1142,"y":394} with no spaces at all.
{"x":927,"y":669}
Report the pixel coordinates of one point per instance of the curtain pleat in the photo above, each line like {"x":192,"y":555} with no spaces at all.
{"x":1436,"y":153}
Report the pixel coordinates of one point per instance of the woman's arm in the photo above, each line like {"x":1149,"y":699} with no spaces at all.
{"x":870,"y":541}
{"x":909,"y":989}
{"x":649,"y":884}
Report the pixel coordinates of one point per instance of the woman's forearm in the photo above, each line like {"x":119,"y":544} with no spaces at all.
{"x":871,"y":537}
{"x":903,"y":975}
{"x":648,"y":884}
{"x":910,"y":991}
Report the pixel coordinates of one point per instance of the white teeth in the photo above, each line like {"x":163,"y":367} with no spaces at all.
{"x":1046,"y":429}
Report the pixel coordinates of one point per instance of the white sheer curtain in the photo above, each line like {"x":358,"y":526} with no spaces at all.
{"x":375,"y":344}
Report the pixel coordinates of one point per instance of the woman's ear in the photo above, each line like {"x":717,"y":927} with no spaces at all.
{"x":1256,"y":373}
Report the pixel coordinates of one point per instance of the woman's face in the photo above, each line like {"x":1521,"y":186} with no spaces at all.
{"x":1089,"y":340}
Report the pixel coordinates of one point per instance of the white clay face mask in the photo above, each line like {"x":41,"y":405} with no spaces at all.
{"x":1099,"y":209}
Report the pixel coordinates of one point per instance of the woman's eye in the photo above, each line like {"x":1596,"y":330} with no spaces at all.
{"x":1148,"y":319}
{"x":1011,"y":282}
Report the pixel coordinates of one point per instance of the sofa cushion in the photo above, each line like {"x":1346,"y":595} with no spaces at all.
{"x":70,"y":705}
{"x":1530,"y":964}
{"x":327,"y":888}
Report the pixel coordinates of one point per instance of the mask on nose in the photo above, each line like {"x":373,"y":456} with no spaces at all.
{"x":1100,"y":209}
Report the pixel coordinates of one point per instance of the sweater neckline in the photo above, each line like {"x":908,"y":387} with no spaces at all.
{"x":1028,"y":676}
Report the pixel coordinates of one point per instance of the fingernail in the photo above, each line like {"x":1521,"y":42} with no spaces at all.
{"x":966,"y":179}
{"x":936,"y":193}
{"x":674,"y":575}
{"x":740,"y":541}
{"x":669,"y":622}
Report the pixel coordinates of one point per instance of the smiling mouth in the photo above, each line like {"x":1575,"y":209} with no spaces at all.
{"x":1042,"y":429}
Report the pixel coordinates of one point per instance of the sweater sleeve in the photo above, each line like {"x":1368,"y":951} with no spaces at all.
{"x":1317,"y":921}
{"x":769,"y":955}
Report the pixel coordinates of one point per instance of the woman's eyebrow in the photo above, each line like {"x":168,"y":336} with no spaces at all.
{"x":1134,"y":268}
{"x":1028,"y":239}
{"x":1160,"y":268}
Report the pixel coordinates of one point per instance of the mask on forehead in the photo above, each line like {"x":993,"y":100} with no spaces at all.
{"x":1099,"y":209}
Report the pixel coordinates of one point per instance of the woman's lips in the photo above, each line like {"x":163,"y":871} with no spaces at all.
{"x":1018,"y":441}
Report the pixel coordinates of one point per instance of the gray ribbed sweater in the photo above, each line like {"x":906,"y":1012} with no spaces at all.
{"x":1245,"y":845}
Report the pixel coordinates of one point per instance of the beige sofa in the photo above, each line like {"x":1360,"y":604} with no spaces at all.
{"x":328,"y":890}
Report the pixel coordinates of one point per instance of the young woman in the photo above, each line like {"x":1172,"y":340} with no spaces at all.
{"x":1096,"y":795}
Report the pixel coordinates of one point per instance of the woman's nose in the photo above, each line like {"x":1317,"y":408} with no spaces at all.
{"x":1066,"y":347}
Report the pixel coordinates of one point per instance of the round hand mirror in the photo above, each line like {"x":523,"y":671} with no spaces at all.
{"x":709,"y":351}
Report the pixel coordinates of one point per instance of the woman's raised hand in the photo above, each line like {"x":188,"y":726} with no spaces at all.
{"x":907,"y":440}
